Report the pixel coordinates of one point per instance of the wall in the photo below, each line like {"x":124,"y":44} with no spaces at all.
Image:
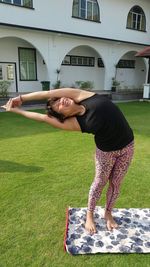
{"x":9,"y":53}
{"x":57,"y":16}
{"x":52,"y":48}
{"x":70,"y":74}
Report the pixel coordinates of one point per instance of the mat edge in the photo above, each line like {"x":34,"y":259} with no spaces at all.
{"x":66,"y":229}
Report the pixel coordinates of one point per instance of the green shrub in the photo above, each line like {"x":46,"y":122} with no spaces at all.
{"x":4,"y":86}
{"x":84,"y":84}
{"x":57,"y":84}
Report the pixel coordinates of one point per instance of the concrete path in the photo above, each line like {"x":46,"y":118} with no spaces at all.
{"x":29,"y":107}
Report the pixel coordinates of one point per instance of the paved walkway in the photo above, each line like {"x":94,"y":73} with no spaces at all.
{"x":29,"y":107}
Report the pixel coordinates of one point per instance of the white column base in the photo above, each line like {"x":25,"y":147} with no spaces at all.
{"x":146,"y":92}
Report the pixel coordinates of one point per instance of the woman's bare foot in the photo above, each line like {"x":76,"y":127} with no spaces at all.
{"x":90,"y":225}
{"x":110,"y":222}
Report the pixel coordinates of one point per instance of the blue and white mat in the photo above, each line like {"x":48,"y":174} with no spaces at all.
{"x":132,"y":236}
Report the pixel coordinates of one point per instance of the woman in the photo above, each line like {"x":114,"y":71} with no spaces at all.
{"x":78,"y":110}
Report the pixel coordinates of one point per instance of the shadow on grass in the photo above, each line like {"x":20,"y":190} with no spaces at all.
{"x":10,"y":166}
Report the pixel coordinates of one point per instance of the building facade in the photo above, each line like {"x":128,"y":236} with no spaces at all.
{"x":69,"y":41}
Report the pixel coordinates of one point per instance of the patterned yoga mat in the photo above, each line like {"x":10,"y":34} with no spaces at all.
{"x":132,"y":236}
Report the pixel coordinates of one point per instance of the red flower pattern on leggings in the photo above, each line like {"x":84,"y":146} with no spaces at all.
{"x":110,"y":166}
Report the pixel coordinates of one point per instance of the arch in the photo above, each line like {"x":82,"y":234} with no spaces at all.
{"x":136,"y":19}
{"x":130,"y":53}
{"x":69,"y":49}
{"x":10,"y":45}
{"x":30,"y":39}
{"x":31,"y":43}
{"x":130,"y":71}
{"x":82,"y":63}
{"x":86,"y":9}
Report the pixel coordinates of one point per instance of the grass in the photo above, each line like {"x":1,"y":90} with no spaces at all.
{"x":44,"y":170}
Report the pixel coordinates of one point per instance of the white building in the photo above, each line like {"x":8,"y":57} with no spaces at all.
{"x":73,"y":40}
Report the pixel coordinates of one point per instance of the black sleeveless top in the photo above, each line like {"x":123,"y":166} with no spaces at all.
{"x":105,"y":120}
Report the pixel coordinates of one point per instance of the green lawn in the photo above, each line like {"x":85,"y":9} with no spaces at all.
{"x":42,"y":171}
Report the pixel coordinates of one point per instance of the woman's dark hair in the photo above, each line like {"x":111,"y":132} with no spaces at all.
{"x":51,"y":112}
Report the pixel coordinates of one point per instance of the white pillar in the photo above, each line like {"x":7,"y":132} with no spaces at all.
{"x":146,"y":92}
{"x":53,"y":62}
{"x":110,"y":72}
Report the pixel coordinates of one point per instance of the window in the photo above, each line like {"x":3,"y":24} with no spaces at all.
{"x":66,"y":60}
{"x":27,"y":3}
{"x":10,"y":72}
{"x":136,"y":19}
{"x":79,"y":61}
{"x":6,"y":1}
{"x":86,"y":9}
{"x":126,"y":64}
{"x":27,"y":64}
{"x":17,"y":2}
{"x":100,"y":63}
{"x":1,"y":73}
{"x":24,"y":3}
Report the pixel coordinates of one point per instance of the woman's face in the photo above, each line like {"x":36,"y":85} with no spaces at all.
{"x":64,"y":105}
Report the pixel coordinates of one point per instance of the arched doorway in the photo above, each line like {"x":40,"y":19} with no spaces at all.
{"x":24,"y":71}
{"x":82,"y":64}
{"x":130,"y":71}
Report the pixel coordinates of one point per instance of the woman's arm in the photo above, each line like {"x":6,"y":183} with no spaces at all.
{"x":28,"y":114}
{"x":70,"y":124}
{"x":76,"y":94}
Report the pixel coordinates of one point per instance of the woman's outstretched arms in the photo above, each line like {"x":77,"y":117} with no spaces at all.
{"x":28,"y":114}
{"x":69,"y":124}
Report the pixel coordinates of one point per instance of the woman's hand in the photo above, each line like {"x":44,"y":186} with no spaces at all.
{"x":17,"y":101}
{"x":9,"y":106}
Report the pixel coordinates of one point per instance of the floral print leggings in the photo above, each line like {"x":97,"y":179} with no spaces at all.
{"x":110,"y":166}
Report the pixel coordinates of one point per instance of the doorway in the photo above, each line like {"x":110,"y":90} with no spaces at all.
{"x":8,"y":73}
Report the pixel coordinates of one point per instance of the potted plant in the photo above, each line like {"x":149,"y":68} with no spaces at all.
{"x":45,"y":85}
{"x":115,"y":84}
{"x":85,"y":85}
